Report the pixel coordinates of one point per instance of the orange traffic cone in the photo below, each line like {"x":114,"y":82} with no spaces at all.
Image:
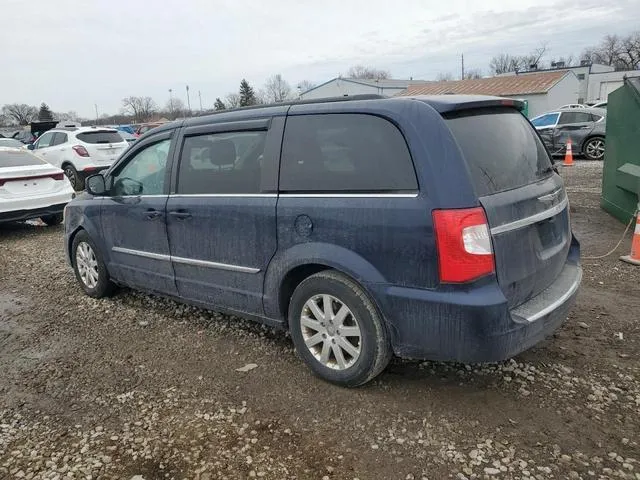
{"x":568,"y":157}
{"x":634,"y":258}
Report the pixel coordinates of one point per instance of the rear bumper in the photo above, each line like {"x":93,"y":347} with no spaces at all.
{"x":475,"y":325}
{"x":20,"y":215}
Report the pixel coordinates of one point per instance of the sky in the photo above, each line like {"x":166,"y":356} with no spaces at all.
{"x":76,"y":55}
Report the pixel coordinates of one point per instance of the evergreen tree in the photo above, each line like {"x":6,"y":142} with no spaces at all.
{"x":219,"y":105}
{"x":45,"y":114}
{"x":247,"y":95}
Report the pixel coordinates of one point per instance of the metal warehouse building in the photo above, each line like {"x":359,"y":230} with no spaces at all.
{"x":544,"y":91}
{"x":342,"y":87}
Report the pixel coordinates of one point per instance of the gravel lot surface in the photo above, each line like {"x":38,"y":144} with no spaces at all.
{"x":138,"y":387}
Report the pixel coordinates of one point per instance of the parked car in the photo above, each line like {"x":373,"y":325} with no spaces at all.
{"x":572,"y":105}
{"x":426,"y":227}
{"x":80,"y":151}
{"x":11,"y":142}
{"x":31,"y":188}
{"x":586,"y":128}
{"x":128,"y":137}
{"x":25,"y":136}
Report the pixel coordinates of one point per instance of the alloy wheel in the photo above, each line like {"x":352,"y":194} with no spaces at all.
{"x":595,"y":148}
{"x":87,"y":265}
{"x":331,"y":332}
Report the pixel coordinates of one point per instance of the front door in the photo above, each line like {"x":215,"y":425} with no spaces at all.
{"x":134,"y":221}
{"x":574,"y":125}
{"x":222,"y":218}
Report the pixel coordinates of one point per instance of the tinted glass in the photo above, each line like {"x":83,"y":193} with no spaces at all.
{"x":501,"y":148}
{"x":222,"y":163}
{"x":59,"y":138}
{"x":46,"y":140}
{"x":100,"y":136}
{"x":144,"y":173}
{"x":574,"y":117}
{"x":18,"y":158}
{"x":344,"y":153}
{"x":596,"y":118}
{"x":546,"y":120}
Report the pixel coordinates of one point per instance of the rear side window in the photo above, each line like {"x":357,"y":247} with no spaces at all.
{"x":222,"y":163}
{"x":59,"y":138}
{"x":501,"y":148}
{"x":18,"y":159}
{"x":100,"y":136}
{"x":344,"y":153}
{"x":574,"y":117}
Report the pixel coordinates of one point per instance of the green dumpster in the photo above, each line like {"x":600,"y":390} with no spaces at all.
{"x":621,"y":176}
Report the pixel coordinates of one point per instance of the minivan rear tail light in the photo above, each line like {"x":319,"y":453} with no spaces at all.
{"x":464,"y":247}
{"x":80,"y":150}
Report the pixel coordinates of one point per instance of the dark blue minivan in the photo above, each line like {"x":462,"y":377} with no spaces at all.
{"x":425,"y":227}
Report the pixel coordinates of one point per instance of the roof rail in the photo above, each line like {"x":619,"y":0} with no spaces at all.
{"x":346,"y":98}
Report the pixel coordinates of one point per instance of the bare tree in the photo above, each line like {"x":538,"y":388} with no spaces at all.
{"x":20,"y":113}
{"x":304,"y":86}
{"x":276,"y":89}
{"x":623,"y":53}
{"x":630,"y":54}
{"x":175,"y":108}
{"x":140,"y":108}
{"x":504,"y":63}
{"x":472,"y":74}
{"x":232,"y":100}
{"x":369,"y":73}
{"x":444,"y":77}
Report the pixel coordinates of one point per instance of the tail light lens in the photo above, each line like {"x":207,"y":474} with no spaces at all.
{"x":464,"y":245}
{"x":81,"y":151}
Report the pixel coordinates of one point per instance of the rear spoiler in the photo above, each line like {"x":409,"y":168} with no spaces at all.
{"x":497,"y":102}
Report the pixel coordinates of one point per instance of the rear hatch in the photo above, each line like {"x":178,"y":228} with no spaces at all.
{"x":104,"y":146}
{"x":524,"y":199}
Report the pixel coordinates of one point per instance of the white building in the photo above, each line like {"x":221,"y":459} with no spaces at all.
{"x":601,"y":84}
{"x":342,"y":87}
{"x":543,"y":91}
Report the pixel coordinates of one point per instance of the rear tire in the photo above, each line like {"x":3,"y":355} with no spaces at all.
{"x":77,"y":182}
{"x":89,"y":267}
{"x":593,"y":149}
{"x":337,"y":330}
{"x":52,"y":220}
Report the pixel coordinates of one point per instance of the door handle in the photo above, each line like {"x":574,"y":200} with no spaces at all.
{"x":153,"y":214}
{"x":180,"y":214}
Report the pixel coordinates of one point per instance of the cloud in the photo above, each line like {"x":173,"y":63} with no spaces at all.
{"x":75,"y":54}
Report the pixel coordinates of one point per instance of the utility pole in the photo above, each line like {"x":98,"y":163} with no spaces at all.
{"x":96,"y":105}
{"x":200,"y":97}
{"x":462,"y":78}
{"x":188,"y":101}
{"x":171,"y":101}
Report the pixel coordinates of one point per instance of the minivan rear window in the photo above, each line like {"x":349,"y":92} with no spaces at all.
{"x":501,"y":148}
{"x":18,"y":159}
{"x":100,"y":136}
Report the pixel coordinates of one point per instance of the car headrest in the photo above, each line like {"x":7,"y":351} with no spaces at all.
{"x":222,"y":152}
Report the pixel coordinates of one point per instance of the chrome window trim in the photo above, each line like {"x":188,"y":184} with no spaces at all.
{"x":538,"y":217}
{"x":185,"y":261}
{"x":221,"y":195}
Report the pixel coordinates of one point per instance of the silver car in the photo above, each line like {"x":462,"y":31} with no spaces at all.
{"x":585,"y":126}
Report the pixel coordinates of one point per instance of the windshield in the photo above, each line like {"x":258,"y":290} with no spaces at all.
{"x":501,"y":149}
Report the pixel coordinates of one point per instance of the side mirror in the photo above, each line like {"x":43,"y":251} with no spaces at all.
{"x":96,"y":185}
{"x":31,"y":146}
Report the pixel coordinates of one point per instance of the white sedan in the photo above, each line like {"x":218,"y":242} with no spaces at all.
{"x":31,"y":188}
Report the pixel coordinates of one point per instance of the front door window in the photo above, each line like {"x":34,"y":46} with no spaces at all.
{"x":144,"y":174}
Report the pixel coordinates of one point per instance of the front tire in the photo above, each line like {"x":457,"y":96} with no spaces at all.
{"x":52,"y":220}
{"x":89,"y":267}
{"x":337,"y":330}
{"x":77,"y":181}
{"x":593,"y":148}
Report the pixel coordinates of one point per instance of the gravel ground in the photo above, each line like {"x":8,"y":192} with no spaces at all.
{"x":138,"y":387}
